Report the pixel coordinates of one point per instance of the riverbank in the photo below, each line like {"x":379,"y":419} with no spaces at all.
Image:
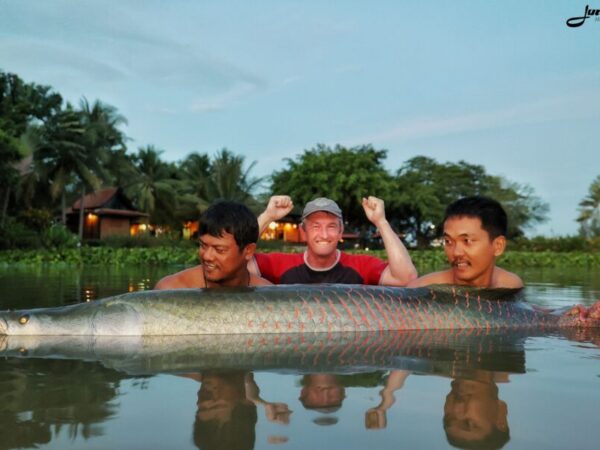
{"x":430,"y":259}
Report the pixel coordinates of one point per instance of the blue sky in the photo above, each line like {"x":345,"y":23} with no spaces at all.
{"x":504,"y":84}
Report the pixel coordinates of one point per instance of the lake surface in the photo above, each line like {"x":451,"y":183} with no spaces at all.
{"x":414,"y":390}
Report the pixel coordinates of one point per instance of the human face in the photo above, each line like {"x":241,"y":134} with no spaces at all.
{"x":217,"y":399}
{"x":323,"y":232}
{"x":222,"y":260}
{"x":470,"y":250}
{"x":322,"y":391}
{"x":472,"y":411}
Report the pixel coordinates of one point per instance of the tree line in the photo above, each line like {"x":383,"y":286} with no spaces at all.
{"x":53,"y":152}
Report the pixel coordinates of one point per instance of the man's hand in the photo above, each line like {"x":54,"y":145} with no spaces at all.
{"x":374,"y":209}
{"x":279,"y":206}
{"x":277,"y":412}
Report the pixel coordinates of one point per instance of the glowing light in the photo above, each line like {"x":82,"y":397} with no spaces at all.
{"x":273,"y":225}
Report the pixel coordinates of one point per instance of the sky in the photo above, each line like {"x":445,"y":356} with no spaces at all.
{"x":507,"y":84}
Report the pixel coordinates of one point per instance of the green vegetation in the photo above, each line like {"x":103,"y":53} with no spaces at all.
{"x":187,"y":254}
{"x":53,"y":153}
{"x":589,"y":211}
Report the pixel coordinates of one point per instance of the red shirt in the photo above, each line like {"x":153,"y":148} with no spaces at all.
{"x":290,"y":268}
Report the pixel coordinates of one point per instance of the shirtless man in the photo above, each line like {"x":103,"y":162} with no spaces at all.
{"x":474,"y":236}
{"x":322,"y":262}
{"x":228,"y":234}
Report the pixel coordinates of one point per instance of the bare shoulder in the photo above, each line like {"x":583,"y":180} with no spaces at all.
{"x":258,"y":281}
{"x":505,"y":279}
{"x":442,"y":277}
{"x":188,"y":278}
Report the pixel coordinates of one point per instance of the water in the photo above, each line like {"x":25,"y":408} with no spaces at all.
{"x":539,"y":391}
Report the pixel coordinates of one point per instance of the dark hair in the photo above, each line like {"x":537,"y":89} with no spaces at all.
{"x":238,"y":433}
{"x":489,"y":211}
{"x":495,"y":440}
{"x":230,"y":217}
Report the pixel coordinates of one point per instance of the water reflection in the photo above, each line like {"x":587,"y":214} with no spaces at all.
{"x":49,"y":384}
{"x":40,"y":398}
{"x":226,"y":416}
{"x":474,"y":416}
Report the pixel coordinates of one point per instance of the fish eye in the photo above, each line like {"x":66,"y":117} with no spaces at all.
{"x":24,"y":319}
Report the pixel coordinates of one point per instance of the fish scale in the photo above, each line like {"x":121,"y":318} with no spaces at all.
{"x":291,"y":309}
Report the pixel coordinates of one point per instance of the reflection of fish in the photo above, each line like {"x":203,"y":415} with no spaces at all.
{"x":429,"y":351}
{"x":292,"y":309}
{"x":447,"y":352}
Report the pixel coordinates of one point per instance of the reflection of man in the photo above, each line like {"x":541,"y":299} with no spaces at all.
{"x":474,"y":416}
{"x":226,"y":416}
{"x":474,"y":236}
{"x":322,"y":392}
{"x":228,"y":234}
{"x":322,"y":262}
{"x":375,"y":418}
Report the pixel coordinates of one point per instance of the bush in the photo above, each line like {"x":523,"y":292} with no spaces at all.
{"x":35,"y":219}
{"x":14,"y":234}
{"x":555,"y":244}
{"x":58,"y":236}
{"x":143,"y":241}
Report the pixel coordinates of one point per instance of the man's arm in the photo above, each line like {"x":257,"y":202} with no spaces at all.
{"x":278,"y":207}
{"x":400,"y":270}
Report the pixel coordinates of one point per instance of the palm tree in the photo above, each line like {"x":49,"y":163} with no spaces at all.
{"x":194,"y":172}
{"x":154,"y":186}
{"x":589,"y":211}
{"x":229,"y":180}
{"x":67,"y":158}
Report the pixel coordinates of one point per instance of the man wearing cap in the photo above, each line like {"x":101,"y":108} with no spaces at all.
{"x":322,"y":262}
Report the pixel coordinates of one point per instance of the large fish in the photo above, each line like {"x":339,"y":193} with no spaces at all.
{"x":294,"y":309}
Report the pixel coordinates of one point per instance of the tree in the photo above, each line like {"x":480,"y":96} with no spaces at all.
{"x":68,"y":159}
{"x":22,"y":106}
{"x":589,"y":212}
{"x":194,"y":172}
{"x":345,"y":175}
{"x":229,"y":180}
{"x":9,"y":175}
{"x":154,"y":188}
{"x":424,"y":188}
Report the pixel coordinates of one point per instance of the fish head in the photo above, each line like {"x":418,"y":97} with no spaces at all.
{"x":3,"y":325}
{"x":15,"y":323}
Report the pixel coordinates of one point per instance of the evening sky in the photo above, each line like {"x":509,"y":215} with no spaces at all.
{"x":503,"y":84}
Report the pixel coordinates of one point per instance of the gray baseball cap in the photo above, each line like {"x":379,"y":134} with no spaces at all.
{"x":321,"y":204}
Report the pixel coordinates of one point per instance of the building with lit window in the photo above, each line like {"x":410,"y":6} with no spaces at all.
{"x":107,"y":212}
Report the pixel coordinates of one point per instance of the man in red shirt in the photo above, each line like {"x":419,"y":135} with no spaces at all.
{"x":322,"y":262}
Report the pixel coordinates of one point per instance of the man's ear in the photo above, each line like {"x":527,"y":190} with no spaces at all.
{"x":249,"y":251}
{"x":502,"y":417}
{"x":499,"y":244}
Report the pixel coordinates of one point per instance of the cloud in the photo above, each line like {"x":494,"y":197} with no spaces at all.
{"x":222,"y":100}
{"x":34,"y":53}
{"x":575,"y":106}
